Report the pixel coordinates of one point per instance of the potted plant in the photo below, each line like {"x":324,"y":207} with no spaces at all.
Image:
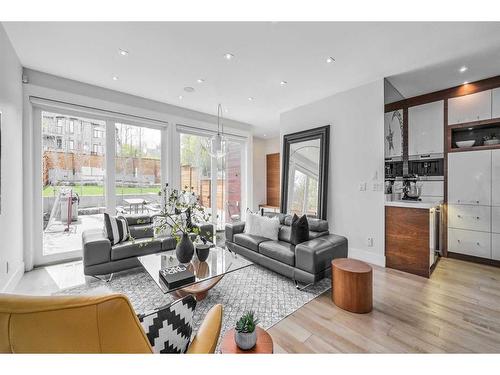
{"x":245,"y":331}
{"x":180,"y":210}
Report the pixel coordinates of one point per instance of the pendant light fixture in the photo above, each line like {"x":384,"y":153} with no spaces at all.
{"x":217,"y":146}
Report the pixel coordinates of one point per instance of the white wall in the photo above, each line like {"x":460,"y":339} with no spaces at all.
{"x":261,"y":147}
{"x":11,"y":224}
{"x":356,"y":118}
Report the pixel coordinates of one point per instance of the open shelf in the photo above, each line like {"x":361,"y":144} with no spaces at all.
{"x":475,"y":130}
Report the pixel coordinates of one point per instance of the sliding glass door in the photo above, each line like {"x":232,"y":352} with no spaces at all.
{"x":73,"y":170}
{"x":137,"y":169}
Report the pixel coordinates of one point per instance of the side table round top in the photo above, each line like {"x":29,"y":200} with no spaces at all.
{"x":351,"y":265}
{"x":264,"y":344}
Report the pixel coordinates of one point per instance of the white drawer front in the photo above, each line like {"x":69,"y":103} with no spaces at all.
{"x":468,"y":242}
{"x":495,"y":246}
{"x":469,"y":217}
{"x":495,"y":219}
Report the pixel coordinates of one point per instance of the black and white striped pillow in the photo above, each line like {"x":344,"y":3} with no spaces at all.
{"x":169,"y":328}
{"x":116,"y":228}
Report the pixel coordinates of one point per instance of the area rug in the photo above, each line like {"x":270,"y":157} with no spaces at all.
{"x":270,"y":295}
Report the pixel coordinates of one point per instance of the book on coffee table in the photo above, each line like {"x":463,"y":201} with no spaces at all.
{"x":177,"y":276}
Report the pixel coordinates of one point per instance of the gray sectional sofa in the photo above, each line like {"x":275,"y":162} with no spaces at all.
{"x":306,"y":262}
{"x":100,"y":258}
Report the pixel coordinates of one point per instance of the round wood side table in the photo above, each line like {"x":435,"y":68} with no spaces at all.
{"x":352,"y":283}
{"x":264,"y":344}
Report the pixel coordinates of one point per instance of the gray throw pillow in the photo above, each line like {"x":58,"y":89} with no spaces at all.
{"x":300,"y":230}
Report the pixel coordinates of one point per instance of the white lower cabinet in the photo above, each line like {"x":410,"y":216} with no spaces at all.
{"x":476,"y":218}
{"x":469,"y":242}
{"x":495,"y":246}
{"x":495,"y":219}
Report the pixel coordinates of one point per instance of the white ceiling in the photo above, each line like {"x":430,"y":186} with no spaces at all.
{"x":167,"y":56}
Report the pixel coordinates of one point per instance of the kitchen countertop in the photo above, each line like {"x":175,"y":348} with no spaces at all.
{"x":423,"y":204}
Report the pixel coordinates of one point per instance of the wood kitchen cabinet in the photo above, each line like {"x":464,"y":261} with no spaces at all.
{"x":495,"y":177}
{"x":469,"y":178}
{"x":393,"y":134}
{"x":425,"y":128}
{"x":467,"y":108}
{"x":495,"y":103}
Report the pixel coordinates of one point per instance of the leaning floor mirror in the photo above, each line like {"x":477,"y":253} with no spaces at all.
{"x":305,"y":172}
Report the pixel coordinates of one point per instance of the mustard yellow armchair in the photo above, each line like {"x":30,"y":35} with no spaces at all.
{"x":85,"y":324}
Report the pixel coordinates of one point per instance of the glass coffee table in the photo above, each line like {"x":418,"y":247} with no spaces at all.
{"x":220,"y":262}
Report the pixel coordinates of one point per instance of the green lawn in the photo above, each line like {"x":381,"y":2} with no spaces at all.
{"x":50,"y":191}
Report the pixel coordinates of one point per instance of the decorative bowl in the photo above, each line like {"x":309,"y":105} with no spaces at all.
{"x":462,"y":144}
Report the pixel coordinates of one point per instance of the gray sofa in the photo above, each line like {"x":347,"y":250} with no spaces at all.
{"x":100,"y":258}
{"x":306,"y":262}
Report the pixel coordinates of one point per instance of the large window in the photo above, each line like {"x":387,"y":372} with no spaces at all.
{"x":138,"y":169}
{"x":73,"y":197}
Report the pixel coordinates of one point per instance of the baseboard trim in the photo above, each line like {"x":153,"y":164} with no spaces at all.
{"x":14,"y":279}
{"x":367,"y":256}
{"x":473,"y":259}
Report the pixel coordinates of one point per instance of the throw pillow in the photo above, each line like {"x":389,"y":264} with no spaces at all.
{"x":169,"y":328}
{"x":160,"y":228}
{"x":262,"y":226}
{"x":116,"y":228}
{"x":300,"y":230}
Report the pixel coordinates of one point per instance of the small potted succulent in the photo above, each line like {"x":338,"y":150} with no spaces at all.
{"x":246,"y":331}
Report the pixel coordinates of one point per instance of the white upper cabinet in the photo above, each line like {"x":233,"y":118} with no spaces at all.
{"x":495,"y":176}
{"x":469,"y":108}
{"x":425,"y":128}
{"x":469,"y":178}
{"x":495,"y":100}
{"x":393,"y":133}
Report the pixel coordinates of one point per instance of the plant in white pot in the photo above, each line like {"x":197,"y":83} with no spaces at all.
{"x":246,"y":331}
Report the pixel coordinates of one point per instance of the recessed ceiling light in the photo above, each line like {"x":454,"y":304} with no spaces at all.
{"x":463,"y":69}
{"x":470,"y":128}
{"x":226,"y":110}
{"x":122,"y":52}
{"x":466,"y":82}
{"x":283,"y":83}
{"x":228,"y":56}
{"x":189,"y":89}
{"x":250,"y":98}
{"x":264,"y":135}
{"x":180,"y":97}
{"x":115,"y":78}
{"x":329,"y":60}
{"x":200,"y":80}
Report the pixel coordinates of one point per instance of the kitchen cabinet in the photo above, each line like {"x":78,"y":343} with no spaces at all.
{"x":469,"y":178}
{"x":393,"y":134}
{"x":495,"y":102}
{"x":432,"y":189}
{"x":476,"y":218}
{"x":495,"y":246}
{"x":467,"y":108}
{"x":425,"y":128}
{"x":469,"y":242}
{"x":495,"y":219}
{"x":495,"y":177}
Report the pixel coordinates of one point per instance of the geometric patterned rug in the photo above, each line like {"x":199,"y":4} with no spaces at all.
{"x":272,"y":296}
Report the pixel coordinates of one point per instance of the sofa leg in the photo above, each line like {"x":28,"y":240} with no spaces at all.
{"x":301,"y":287}
{"x":103,"y":279}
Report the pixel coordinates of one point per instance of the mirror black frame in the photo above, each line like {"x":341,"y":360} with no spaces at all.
{"x":323,"y":134}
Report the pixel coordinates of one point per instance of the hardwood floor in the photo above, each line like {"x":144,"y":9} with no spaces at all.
{"x":457,"y":310}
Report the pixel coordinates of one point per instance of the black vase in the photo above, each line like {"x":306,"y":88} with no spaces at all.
{"x":202,"y":252}
{"x":185,"y":249}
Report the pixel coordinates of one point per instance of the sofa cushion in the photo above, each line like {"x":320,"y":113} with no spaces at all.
{"x":314,"y":256}
{"x":138,"y":219}
{"x":141,"y":231}
{"x":315,"y":225}
{"x":249,"y":240}
{"x":135,"y":248}
{"x":313,"y":235}
{"x":167,"y":243}
{"x":285,"y":233}
{"x":281,"y":251}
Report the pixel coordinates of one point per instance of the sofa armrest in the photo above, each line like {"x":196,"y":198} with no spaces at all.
{"x":232,"y":229}
{"x":96,"y":247}
{"x":208,"y":334}
{"x":315,"y":255}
